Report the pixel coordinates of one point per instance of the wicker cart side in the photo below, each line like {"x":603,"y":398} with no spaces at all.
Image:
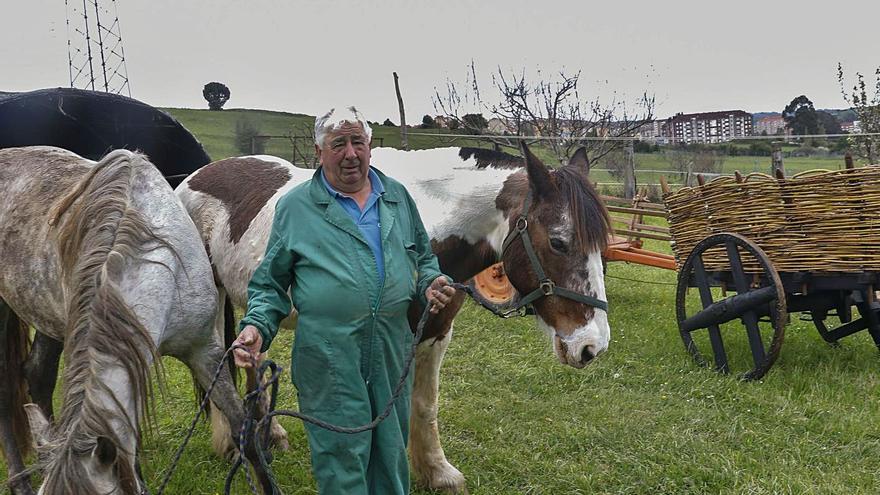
{"x":817,"y":222}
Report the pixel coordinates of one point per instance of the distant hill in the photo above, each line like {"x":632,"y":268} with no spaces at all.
{"x":217,"y":132}
{"x":760,"y":115}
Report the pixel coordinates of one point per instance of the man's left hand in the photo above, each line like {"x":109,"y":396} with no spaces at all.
{"x":439,"y":294}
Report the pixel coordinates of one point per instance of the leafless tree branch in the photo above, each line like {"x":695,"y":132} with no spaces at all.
{"x":549,"y":107}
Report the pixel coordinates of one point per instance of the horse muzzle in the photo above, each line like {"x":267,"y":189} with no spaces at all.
{"x":581,"y":347}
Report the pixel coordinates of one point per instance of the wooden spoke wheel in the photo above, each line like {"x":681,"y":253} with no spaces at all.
{"x":755,"y":298}
{"x":869,"y":309}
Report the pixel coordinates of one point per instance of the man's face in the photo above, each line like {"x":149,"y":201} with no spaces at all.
{"x":345,"y":156}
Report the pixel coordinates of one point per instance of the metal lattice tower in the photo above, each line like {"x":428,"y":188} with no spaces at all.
{"x":94,"y":48}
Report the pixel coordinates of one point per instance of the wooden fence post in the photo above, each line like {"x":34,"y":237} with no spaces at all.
{"x":776,"y":165}
{"x":629,"y":172}
{"x":403,"y":141}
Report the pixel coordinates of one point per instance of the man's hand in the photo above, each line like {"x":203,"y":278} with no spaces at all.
{"x":250,"y":339}
{"x":439,"y":294}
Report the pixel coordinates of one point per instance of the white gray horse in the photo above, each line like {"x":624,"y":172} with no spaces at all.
{"x":99,"y":256}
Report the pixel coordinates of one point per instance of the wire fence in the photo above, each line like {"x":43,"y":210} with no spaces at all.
{"x":679,"y":164}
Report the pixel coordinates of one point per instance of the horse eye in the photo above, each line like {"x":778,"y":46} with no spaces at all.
{"x":558,"y":244}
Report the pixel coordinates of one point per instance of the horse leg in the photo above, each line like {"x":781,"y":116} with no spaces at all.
{"x":225,"y":398}
{"x":221,"y":436}
{"x":277,"y":433}
{"x":428,"y":459}
{"x":221,"y":439}
{"x":14,"y":432}
{"x":224,"y":327}
{"x":41,"y":371}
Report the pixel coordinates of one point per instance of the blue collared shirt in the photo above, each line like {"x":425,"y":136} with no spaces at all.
{"x":367,"y":219}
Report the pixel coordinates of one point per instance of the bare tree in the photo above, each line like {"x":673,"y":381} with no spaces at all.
{"x":694,"y":162}
{"x":302,"y":139}
{"x":868,"y":110}
{"x":550,"y":107}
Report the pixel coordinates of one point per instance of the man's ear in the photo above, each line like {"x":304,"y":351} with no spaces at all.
{"x":318,"y":153}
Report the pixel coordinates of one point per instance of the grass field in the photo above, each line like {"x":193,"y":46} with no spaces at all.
{"x":643,"y":419}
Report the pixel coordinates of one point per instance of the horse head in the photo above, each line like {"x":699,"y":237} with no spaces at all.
{"x":81,"y":463}
{"x":561,"y":216}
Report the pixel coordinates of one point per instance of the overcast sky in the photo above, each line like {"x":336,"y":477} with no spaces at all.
{"x":306,"y":56}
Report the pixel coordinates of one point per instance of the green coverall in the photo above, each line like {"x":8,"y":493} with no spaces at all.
{"x":352,"y":336}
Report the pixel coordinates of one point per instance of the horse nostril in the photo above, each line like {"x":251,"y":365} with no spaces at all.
{"x":587,"y":355}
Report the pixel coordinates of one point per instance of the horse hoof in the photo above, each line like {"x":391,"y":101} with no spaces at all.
{"x":23,"y":488}
{"x":281,"y":444}
{"x":446,"y":479}
{"x":278,"y":437}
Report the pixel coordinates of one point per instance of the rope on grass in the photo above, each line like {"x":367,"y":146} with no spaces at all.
{"x":639,"y":281}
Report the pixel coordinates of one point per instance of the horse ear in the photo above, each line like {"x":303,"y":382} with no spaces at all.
{"x":580,"y":160}
{"x":539,"y":174}
{"x":39,"y":425}
{"x":105,"y":451}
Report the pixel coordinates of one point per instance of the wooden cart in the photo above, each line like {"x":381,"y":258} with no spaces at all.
{"x":758,"y":249}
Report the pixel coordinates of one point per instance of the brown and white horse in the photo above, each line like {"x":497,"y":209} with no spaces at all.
{"x":469,"y":200}
{"x":102,"y":257}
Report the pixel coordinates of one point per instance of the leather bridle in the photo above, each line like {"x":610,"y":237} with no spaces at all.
{"x":546,"y":286}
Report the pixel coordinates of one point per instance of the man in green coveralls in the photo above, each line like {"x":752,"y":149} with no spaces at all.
{"x":350,"y":246}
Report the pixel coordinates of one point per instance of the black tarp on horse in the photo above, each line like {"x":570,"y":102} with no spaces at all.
{"x":91,"y":123}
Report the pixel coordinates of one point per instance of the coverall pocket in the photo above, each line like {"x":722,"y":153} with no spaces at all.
{"x":412,"y":257}
{"x":315,"y":378}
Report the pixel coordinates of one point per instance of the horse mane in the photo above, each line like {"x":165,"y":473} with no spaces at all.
{"x":589,"y":215}
{"x":491,"y":158}
{"x":101,"y":232}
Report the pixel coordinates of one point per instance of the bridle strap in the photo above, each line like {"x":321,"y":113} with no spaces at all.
{"x":546,"y":286}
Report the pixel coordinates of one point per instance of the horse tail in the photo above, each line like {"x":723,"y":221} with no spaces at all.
{"x":17,"y":345}
{"x":230,"y":334}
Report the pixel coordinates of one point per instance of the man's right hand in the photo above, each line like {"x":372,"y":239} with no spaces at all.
{"x":251,"y":340}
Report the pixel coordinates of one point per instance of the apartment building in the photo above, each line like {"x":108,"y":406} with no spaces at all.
{"x":771,"y":125}
{"x":709,"y":127}
{"x":655,"y":132}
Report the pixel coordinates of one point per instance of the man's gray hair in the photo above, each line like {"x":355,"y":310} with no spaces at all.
{"x":337,"y":116}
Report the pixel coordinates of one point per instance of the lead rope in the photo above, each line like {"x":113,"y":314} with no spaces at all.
{"x":251,"y":401}
{"x":546,"y":287}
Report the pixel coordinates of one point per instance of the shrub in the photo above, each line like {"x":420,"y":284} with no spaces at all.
{"x":760,"y":148}
{"x":428,"y":122}
{"x":246,"y":140}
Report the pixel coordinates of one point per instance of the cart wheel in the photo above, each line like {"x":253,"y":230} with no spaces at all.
{"x":493,"y":290}
{"x":759,"y":300}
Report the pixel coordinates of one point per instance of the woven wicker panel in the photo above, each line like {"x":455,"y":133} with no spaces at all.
{"x":817,"y":221}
